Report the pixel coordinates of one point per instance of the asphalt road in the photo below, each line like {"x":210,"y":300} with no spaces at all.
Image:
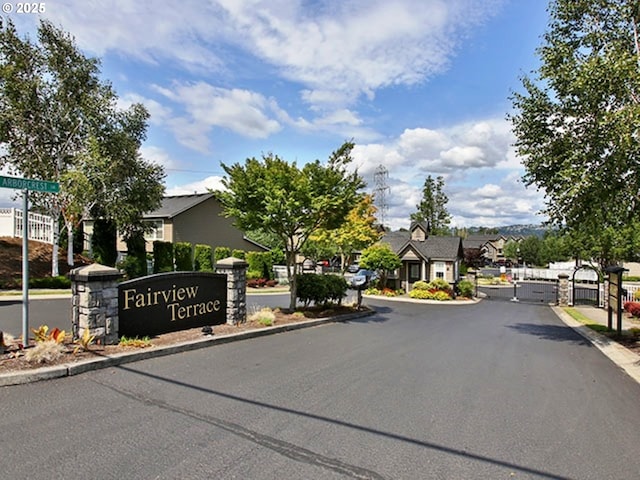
{"x":488,"y":391}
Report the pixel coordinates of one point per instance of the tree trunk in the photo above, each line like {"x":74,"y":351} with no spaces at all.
{"x":292,"y":278}
{"x":69,"y":244}
{"x":56,"y":242}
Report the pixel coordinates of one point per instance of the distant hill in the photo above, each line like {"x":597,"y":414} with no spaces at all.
{"x":524,"y":230}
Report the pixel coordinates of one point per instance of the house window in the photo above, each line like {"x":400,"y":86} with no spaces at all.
{"x":156,"y":230}
{"x":439,"y":268}
{"x":414,"y":272}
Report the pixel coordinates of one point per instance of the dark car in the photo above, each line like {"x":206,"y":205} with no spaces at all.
{"x":353,"y":268}
{"x":362,"y":278}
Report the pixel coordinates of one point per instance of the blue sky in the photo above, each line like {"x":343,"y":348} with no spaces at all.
{"x":421,"y":86}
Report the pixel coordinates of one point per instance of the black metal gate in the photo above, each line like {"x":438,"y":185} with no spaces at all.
{"x":585,"y":291}
{"x":530,"y":291}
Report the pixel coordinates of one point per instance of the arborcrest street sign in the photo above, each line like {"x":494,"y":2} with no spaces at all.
{"x":29,"y":184}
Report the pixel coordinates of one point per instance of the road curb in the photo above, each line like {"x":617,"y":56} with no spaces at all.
{"x":618,"y":354}
{"x":76,"y":368}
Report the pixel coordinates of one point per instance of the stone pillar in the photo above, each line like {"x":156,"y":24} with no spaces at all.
{"x":94,"y":302}
{"x":472,"y":276}
{"x":563,"y":290}
{"x":236,"y":271}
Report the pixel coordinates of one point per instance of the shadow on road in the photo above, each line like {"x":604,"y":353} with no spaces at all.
{"x":4,"y":303}
{"x":378,"y":317}
{"x":556,"y":333}
{"x":299,"y":453}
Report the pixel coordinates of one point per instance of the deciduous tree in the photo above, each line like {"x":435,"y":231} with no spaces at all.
{"x":291,"y":202}
{"x":356,"y":233}
{"x":578,"y":119}
{"x":381,"y":258}
{"x":59,"y":122}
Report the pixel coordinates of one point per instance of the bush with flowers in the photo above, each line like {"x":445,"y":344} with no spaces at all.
{"x":632,"y":308}
{"x":438,"y":289}
{"x":385,"y":292}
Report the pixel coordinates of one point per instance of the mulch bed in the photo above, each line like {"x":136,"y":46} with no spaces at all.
{"x":13,"y":359}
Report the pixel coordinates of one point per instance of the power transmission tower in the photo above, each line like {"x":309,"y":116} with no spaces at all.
{"x":380,"y":192}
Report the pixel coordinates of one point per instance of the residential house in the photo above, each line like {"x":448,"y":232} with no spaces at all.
{"x":491,"y":246}
{"x":424,"y":256}
{"x":193,"y":218}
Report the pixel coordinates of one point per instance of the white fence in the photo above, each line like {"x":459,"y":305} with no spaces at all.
{"x":523,"y":273}
{"x":40,"y":227}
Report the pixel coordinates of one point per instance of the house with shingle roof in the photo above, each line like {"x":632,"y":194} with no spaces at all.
{"x":424,"y":257}
{"x":490,"y":246}
{"x":196,"y":219}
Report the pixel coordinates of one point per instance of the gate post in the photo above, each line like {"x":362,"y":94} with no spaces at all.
{"x":236,"y":271}
{"x":472,"y":276}
{"x":563,"y":290}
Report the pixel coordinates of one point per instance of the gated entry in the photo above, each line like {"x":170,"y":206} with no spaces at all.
{"x":585,"y":288}
{"x":531,"y":291}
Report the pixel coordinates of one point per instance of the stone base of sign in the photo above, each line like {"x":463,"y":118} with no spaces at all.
{"x":236,"y":271}
{"x":94,"y":302}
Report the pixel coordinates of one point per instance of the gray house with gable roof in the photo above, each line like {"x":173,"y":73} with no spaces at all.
{"x":424,"y":257}
{"x":193,"y":218}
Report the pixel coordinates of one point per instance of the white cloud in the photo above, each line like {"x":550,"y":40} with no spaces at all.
{"x":467,"y":156}
{"x":157,"y":155}
{"x":201,"y":186}
{"x":244,"y":112}
{"x":337,"y":51}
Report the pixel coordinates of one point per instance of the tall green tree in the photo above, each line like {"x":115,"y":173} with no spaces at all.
{"x":291,"y":202}
{"x":433,"y":207}
{"x":381,"y":258}
{"x":356,"y":233}
{"x":59,"y":121}
{"x":577,"y":122}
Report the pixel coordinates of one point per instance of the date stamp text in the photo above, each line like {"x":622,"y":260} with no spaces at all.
{"x":24,"y":7}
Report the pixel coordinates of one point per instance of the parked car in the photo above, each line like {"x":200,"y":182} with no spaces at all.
{"x":353,"y":268}
{"x":363,"y":278}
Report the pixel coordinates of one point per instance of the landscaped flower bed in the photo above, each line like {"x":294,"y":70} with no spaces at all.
{"x":385,"y":292}
{"x":437,"y":289}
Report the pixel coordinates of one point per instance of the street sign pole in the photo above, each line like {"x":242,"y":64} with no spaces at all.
{"x":25,"y":269}
{"x":26,"y":184}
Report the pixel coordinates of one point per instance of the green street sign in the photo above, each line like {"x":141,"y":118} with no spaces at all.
{"x":29,"y":184}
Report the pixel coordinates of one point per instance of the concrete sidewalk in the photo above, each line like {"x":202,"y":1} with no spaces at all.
{"x":626,"y":359}
{"x":599,"y":316}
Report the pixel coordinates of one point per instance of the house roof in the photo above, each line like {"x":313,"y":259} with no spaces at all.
{"x":172,"y":206}
{"x":433,"y":247}
{"x":439,"y":248}
{"x":478,"y":241}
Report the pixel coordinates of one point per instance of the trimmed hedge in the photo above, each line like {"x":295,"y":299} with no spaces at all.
{"x":183,"y":256}
{"x":221,"y":252}
{"x":135,"y":263}
{"x":466,"y":288}
{"x":320,"y":289}
{"x":162,"y":256}
{"x":260,"y":264}
{"x":203,"y":258}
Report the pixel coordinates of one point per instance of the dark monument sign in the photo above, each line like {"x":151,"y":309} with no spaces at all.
{"x":168,"y":302}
